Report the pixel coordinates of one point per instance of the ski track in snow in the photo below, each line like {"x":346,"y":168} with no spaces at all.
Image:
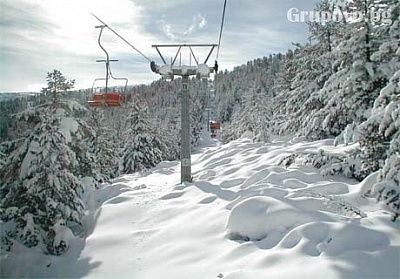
{"x":242,"y":217}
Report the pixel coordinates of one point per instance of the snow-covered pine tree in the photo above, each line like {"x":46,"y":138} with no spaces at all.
{"x":167,"y":133}
{"x":236,"y":127}
{"x":257,"y":114}
{"x":105,"y":146}
{"x":7,"y":108}
{"x":225,"y":99}
{"x":254,"y":115}
{"x":348,"y":95}
{"x":172,"y":139}
{"x":323,"y":32}
{"x":385,"y":122}
{"x":262,"y":115}
{"x":139,"y":152}
{"x":260,"y":75}
{"x":387,"y":188}
{"x":310,"y":67}
{"x":40,"y":191}
{"x":2,"y":159}
{"x":197,"y":94}
{"x":167,"y":139}
{"x":375,"y":134}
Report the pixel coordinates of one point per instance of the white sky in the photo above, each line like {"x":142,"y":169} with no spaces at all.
{"x":38,"y":36}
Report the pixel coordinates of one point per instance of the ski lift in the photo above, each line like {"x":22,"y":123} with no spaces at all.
{"x":215,"y":125}
{"x":106,"y":98}
{"x":168,"y":71}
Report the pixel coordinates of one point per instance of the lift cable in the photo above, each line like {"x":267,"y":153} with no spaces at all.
{"x":122,"y":38}
{"x":152,"y":62}
{"x":222,"y":26}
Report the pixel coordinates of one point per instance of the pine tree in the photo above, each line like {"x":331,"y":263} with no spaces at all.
{"x":40,"y":190}
{"x":167,"y":134}
{"x":226,"y":97}
{"x":387,"y":188}
{"x":309,"y":67}
{"x":349,"y":94}
{"x":139,"y":152}
{"x":385,"y":122}
{"x":378,"y":132}
{"x":323,"y":32}
{"x":196,"y":115}
{"x":105,"y":147}
{"x":166,"y":139}
{"x":2,"y":159}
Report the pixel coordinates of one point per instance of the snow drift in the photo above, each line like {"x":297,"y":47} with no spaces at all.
{"x":244,"y":216}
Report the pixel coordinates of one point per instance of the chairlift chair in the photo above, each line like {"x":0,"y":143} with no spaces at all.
{"x":106,"y":99}
{"x":215,"y":125}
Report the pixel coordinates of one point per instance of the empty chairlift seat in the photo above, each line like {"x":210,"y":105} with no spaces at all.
{"x":106,"y":100}
{"x":215,"y":125}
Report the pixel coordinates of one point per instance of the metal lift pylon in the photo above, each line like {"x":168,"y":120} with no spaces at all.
{"x":169,"y":71}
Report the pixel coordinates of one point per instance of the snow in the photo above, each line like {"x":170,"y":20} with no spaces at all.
{"x":63,"y":234}
{"x":243,"y":217}
{"x":68,"y":127}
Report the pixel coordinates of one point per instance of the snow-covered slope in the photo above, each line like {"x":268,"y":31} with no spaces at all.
{"x":244,"y":216}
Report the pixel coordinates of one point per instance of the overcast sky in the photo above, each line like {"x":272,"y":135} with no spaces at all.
{"x":38,"y":36}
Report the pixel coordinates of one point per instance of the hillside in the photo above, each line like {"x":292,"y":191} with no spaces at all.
{"x":244,"y":216}
{"x":303,"y":180}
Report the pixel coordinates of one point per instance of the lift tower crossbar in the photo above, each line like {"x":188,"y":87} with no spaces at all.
{"x":169,"y":71}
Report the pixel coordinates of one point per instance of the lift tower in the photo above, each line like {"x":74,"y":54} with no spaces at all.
{"x":168,"y":71}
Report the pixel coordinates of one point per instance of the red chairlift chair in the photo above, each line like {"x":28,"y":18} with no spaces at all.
{"x":106,"y":99}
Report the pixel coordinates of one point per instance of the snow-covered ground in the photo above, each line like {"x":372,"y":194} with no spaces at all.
{"x":244,"y":216}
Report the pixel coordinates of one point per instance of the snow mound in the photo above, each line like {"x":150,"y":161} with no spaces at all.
{"x":282,"y":223}
{"x":243,"y":216}
{"x":257,"y":218}
{"x":333,"y":239}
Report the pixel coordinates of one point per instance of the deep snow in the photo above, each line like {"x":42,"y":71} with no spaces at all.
{"x":244,"y":216}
